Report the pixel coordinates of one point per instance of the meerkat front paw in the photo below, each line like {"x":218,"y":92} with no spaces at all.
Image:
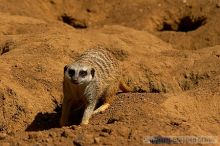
{"x":101,"y":109}
{"x":84,"y":122}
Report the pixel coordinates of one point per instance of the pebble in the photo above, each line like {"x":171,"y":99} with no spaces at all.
{"x":97,"y":139}
{"x":2,"y":136}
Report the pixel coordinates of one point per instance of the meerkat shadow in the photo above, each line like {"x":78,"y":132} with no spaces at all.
{"x":76,"y":117}
{"x":46,"y":121}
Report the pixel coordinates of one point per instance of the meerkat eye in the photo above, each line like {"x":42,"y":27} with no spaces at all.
{"x":71,"y":72}
{"x":93,"y":72}
{"x":82,"y":73}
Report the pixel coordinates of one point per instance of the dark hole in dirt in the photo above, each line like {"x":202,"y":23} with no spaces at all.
{"x":185,"y":24}
{"x":175,"y":124}
{"x":77,"y":143}
{"x":188,"y":24}
{"x":166,"y":27}
{"x":106,"y":130}
{"x":112,"y":120}
{"x":154,"y":90}
{"x":88,"y":10}
{"x":79,"y":24}
{"x":6,"y":48}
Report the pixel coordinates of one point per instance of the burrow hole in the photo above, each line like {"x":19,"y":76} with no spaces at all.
{"x":78,"y":24}
{"x":185,"y":24}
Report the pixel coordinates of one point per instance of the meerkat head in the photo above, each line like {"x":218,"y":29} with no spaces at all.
{"x":79,"y":74}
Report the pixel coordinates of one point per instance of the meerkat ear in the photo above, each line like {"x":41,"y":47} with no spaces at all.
{"x":93,"y":72}
{"x":65,"y":68}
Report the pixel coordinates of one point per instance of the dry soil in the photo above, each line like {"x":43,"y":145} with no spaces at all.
{"x":169,"y":51}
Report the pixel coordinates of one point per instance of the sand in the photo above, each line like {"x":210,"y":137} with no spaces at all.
{"x":169,"y":51}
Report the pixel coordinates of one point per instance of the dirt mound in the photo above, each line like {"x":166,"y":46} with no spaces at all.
{"x":169,"y":52}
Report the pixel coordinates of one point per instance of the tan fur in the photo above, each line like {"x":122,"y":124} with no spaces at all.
{"x":105,"y":84}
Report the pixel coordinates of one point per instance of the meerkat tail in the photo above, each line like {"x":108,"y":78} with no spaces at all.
{"x":102,"y":108}
{"x":124,"y":87}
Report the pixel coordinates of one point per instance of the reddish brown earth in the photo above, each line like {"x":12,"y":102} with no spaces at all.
{"x":169,"y":49}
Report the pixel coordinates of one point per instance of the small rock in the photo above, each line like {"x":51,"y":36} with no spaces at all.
{"x":97,"y":140}
{"x":52,"y":134}
{"x":2,"y":136}
{"x":77,"y":143}
{"x":32,"y":136}
{"x":104,"y":134}
{"x":73,"y":127}
{"x":64,"y":134}
{"x":123,"y":131}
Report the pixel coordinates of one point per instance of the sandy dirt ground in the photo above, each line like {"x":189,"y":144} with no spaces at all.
{"x":169,"y":51}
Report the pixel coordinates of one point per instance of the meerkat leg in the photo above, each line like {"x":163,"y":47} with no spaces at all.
{"x":109,"y":98}
{"x":88,"y":112}
{"x":66,"y":106}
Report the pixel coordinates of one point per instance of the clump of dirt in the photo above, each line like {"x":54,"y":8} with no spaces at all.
{"x":169,"y":52}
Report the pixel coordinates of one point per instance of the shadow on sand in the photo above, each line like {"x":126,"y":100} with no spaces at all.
{"x":46,"y":121}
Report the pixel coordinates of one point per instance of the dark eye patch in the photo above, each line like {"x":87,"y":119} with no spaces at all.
{"x":82,"y":73}
{"x":93,"y":72}
{"x":71,"y":72}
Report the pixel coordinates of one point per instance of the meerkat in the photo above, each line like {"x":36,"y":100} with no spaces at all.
{"x":94,"y":75}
